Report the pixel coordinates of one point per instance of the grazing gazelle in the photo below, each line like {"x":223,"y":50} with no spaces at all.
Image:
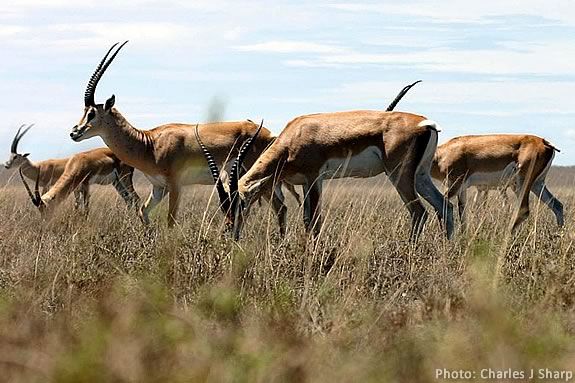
{"x":520,"y":161}
{"x":96,"y":166}
{"x":356,"y":144}
{"x":168,"y":155}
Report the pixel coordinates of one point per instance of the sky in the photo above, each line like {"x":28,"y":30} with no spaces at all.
{"x":490,"y":66}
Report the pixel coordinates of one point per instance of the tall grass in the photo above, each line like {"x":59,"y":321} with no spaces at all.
{"x":102,"y":298}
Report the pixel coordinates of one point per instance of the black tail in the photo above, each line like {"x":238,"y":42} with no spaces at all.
{"x":548,"y":144}
{"x":400,"y":95}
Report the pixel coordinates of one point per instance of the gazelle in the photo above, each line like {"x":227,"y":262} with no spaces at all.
{"x":97,"y":166}
{"x":522,"y":161}
{"x":47,"y":172}
{"x":168,"y":155}
{"x":355,"y":144}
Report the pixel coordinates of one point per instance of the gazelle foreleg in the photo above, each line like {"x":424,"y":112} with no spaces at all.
{"x":279,"y":208}
{"x":77,"y":199}
{"x":306,"y":206}
{"x":84,"y":192}
{"x":461,"y":203}
{"x":124,"y":185}
{"x":174,"y":202}
{"x":156,"y":196}
{"x":312,"y":205}
{"x":293,"y":192}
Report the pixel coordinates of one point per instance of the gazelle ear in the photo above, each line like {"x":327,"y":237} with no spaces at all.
{"x":25,"y":154}
{"x":110,"y":103}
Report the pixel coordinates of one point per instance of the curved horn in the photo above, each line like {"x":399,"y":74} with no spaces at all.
{"x":222,"y":194}
{"x":36,"y":198}
{"x":18,"y":136}
{"x":234,"y":172}
{"x":97,"y":75}
{"x":400,"y":95}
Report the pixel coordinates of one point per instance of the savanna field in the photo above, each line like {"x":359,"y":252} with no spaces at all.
{"x":104,"y":299}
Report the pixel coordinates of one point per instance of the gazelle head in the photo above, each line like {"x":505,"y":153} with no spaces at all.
{"x":96,"y":117}
{"x":17,"y":159}
{"x":234,"y":204}
{"x":35,"y":197}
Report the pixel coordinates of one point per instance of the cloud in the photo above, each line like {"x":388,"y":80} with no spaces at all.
{"x":535,"y":59}
{"x":287,"y":46}
{"x":453,"y":11}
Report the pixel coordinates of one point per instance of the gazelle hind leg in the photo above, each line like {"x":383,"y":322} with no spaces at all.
{"x":522,"y":210}
{"x":417,"y":211}
{"x":542,"y":192}
{"x":425,"y":187}
{"x":156,"y":196}
{"x":530,"y":171}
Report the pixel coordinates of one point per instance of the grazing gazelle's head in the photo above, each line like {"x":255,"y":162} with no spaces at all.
{"x":17,"y":159}
{"x":96,"y":118}
{"x":234,"y":205}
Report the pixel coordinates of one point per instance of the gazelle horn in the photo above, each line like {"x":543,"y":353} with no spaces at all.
{"x":400,"y":95}
{"x":97,"y":75}
{"x":35,"y":197}
{"x":16,"y":140}
{"x":234,"y":172}
{"x":222,"y":194}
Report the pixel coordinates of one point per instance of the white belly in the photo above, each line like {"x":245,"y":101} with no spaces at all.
{"x":365,"y":164}
{"x":493,"y":179}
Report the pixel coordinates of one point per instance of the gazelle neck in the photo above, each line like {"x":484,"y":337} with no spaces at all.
{"x":265,"y":168}
{"x":129,"y":144}
{"x":30,"y":169}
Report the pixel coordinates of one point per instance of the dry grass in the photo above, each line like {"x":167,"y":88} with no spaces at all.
{"x":104,"y":299}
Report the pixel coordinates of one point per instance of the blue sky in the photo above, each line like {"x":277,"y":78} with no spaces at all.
{"x":488,"y":66}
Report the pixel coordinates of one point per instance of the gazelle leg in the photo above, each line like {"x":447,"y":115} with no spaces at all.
{"x":523,"y":202}
{"x":293,"y":192}
{"x":314,"y":200}
{"x":443,"y":208}
{"x":279,"y":208}
{"x":85,"y":190}
{"x":306,"y":206}
{"x":461,"y":202}
{"x":77,"y":199}
{"x":406,"y":189}
{"x":454,"y":188}
{"x":125,"y":187}
{"x":174,"y":203}
{"x":540,"y":190}
{"x":158,"y":193}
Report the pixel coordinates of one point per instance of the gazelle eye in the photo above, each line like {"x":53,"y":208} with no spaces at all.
{"x":91,"y":115}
